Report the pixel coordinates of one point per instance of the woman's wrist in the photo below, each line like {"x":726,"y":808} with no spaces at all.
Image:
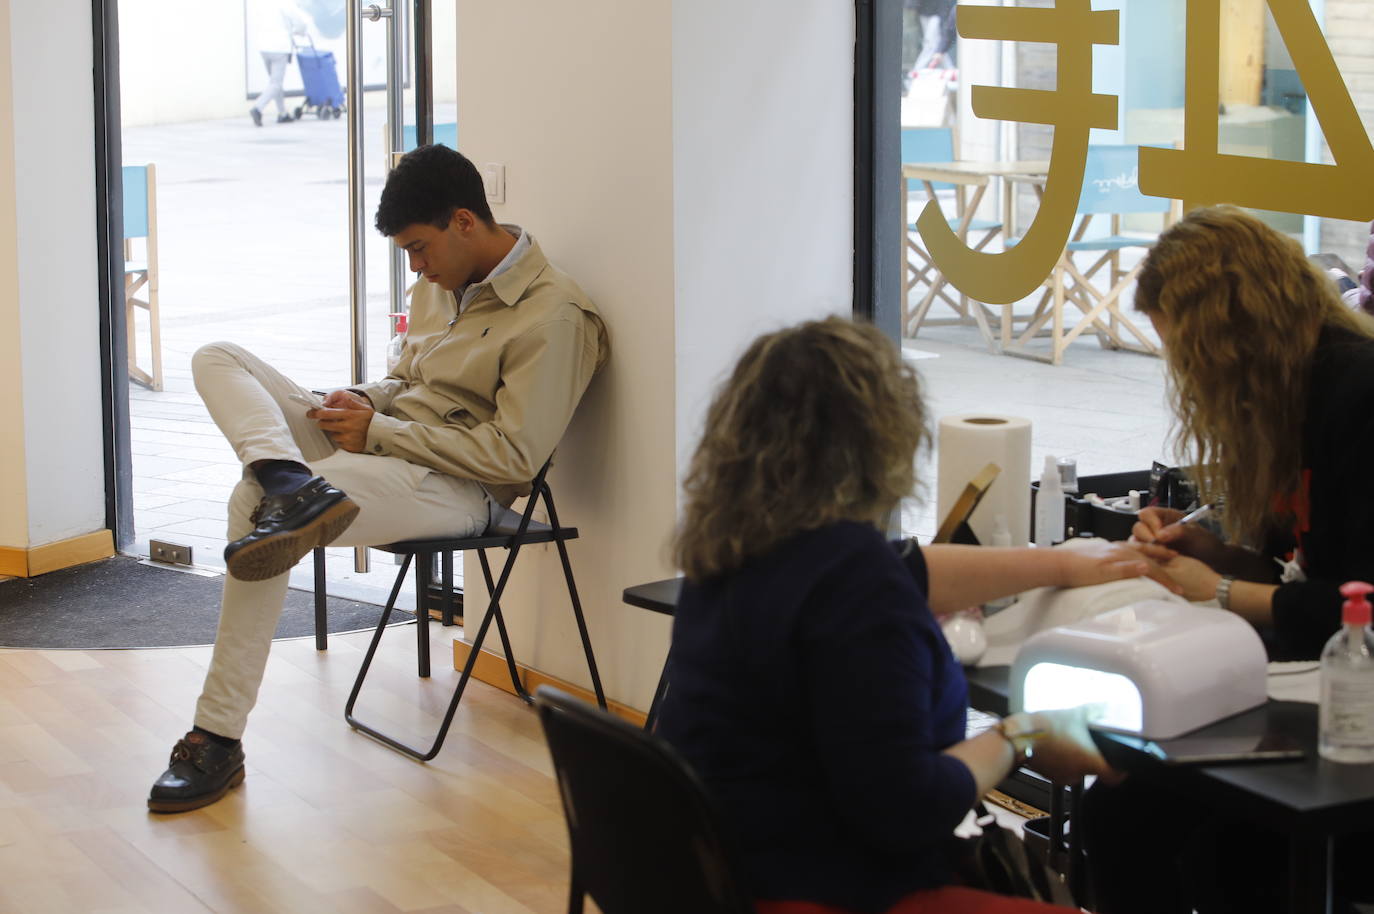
{"x":1059,"y":572}
{"x":1222,"y":590}
{"x":1021,"y":731}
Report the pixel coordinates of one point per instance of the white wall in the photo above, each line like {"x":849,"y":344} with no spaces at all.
{"x":183,"y":60}
{"x":55,"y":259}
{"x":762,"y":180}
{"x":14,"y":530}
{"x":690,"y":163}
{"x":575,"y":99}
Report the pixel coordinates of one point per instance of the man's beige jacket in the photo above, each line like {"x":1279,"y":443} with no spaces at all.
{"x":487,"y":394}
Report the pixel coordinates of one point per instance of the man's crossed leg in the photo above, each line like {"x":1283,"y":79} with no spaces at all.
{"x":343,"y":499}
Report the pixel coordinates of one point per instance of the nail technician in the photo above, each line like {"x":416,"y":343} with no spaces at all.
{"x":1272,"y":382}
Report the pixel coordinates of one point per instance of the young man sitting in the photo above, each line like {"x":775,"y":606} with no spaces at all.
{"x":500,"y":347}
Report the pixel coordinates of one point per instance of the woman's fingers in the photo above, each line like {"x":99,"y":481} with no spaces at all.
{"x":1157,"y":574}
{"x":1155,"y":552}
{"x":1150,"y":521}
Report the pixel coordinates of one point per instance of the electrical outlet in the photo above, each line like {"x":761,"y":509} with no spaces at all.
{"x":494,"y":177}
{"x":171,"y":553}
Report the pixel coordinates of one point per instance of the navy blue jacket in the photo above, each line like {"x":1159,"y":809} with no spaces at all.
{"x":813,"y":691}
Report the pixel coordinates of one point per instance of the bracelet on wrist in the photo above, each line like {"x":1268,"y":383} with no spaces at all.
{"x":1224,"y":590}
{"x":1022,"y":740}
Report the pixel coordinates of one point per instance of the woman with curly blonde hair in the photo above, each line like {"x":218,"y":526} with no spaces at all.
{"x":1272,"y":380}
{"x":810,"y":685}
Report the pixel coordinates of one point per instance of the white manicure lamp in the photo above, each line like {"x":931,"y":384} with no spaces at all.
{"x":1160,"y":668}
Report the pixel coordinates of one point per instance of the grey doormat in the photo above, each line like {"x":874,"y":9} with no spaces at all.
{"x":121,"y":603}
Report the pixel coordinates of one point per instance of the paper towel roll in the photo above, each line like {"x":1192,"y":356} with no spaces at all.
{"x":969,"y":442}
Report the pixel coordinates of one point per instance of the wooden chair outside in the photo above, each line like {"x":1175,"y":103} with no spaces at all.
{"x":935,"y":144}
{"x":140,"y":274}
{"x":1110,"y":189}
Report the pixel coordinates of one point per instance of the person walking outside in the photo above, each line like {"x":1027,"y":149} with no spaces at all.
{"x":275,"y":25}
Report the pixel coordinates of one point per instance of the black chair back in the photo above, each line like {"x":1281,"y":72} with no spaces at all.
{"x":645,"y":835}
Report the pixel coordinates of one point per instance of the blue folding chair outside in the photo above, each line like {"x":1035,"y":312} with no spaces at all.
{"x":445,"y":134}
{"x":1110,"y":188}
{"x":140,"y":274}
{"x":936,"y":144}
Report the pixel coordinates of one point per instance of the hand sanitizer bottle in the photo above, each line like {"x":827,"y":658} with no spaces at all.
{"x":1049,"y":506}
{"x":1347,"y":683}
{"x":396,"y":344}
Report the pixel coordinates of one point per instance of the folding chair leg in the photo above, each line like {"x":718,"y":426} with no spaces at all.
{"x":576,"y":603}
{"x":493,"y":611}
{"x":321,"y":604}
{"x":504,"y":635}
{"x":424,"y":574}
{"x":659,"y":693}
{"x":367,"y":665}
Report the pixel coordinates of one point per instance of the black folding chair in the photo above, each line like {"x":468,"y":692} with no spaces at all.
{"x":645,"y":835}
{"x":526,"y":533}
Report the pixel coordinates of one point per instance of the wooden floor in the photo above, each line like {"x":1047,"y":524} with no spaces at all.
{"x":327,"y":820}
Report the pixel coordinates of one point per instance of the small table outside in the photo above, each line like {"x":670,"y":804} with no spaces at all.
{"x":964,"y":175}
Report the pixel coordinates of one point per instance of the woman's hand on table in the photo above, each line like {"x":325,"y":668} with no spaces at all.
{"x":1193,"y":579}
{"x":1066,"y":751}
{"x":1103,"y":562}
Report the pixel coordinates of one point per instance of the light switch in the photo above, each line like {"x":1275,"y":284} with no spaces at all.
{"x":494,"y":177}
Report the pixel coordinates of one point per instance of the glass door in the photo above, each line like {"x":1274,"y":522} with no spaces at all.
{"x":261,"y":223}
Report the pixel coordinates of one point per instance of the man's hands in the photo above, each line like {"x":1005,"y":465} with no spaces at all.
{"x":345,"y":418}
{"x":1101,"y":562}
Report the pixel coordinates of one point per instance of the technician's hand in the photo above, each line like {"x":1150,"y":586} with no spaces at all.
{"x":1099,"y":563}
{"x":1158,"y":534}
{"x":1195,"y":579}
{"x":1066,"y":752}
{"x":346,"y":426}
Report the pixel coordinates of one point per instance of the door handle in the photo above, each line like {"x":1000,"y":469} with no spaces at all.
{"x":394,"y":15}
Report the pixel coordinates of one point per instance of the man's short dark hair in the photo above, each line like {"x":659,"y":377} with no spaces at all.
{"x":427,"y":186}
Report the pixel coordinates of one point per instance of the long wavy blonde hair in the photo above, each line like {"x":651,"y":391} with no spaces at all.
{"x":1241,"y":308}
{"x":818,"y":423}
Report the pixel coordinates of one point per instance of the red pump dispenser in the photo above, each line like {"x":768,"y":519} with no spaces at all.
{"x":1357,"y":609}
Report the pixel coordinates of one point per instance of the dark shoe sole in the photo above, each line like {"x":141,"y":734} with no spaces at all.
{"x":196,"y":802}
{"x":266,"y":558}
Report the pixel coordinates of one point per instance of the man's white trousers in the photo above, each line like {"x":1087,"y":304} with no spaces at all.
{"x":398,"y":500}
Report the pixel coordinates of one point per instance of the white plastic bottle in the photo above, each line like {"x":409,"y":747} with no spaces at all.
{"x":1049,"y":506}
{"x":1001,"y":536}
{"x":396,"y":344}
{"x":1347,"y":683}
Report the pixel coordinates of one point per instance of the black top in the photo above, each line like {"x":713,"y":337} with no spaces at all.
{"x":813,"y":691}
{"x":1337,"y":535}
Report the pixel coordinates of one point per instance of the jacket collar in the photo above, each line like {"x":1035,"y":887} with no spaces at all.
{"x":511,"y":284}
